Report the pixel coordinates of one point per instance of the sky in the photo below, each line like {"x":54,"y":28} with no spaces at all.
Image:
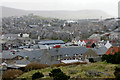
{"x":108,"y":6}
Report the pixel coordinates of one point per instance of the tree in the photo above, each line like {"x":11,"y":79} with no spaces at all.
{"x":57,"y":74}
{"x":37,"y":75}
{"x":114,"y":59}
{"x":117,"y":73}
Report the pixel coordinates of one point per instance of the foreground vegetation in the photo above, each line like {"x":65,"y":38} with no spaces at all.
{"x":101,"y":70}
{"x":114,"y":59}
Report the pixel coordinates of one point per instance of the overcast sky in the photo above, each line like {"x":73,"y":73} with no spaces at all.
{"x":108,"y":6}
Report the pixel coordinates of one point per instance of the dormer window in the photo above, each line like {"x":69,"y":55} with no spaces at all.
{"x":112,"y":50}
{"x":75,"y":54}
{"x":66,"y":55}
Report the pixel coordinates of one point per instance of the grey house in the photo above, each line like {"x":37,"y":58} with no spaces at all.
{"x":55,"y":55}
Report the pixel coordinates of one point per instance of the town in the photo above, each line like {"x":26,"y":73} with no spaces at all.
{"x":47,"y":43}
{"x":50,"y":41}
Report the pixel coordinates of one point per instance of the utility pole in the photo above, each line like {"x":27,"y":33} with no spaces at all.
{"x":50,"y":56}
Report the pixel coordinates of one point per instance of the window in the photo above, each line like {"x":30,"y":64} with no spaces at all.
{"x":52,"y":58}
{"x":75,"y":54}
{"x":66,"y":55}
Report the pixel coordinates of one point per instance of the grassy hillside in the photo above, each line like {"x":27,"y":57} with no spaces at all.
{"x":106,"y":70}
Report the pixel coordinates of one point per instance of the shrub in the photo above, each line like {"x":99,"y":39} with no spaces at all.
{"x":117,"y":73}
{"x":57,"y":74}
{"x":37,"y":75}
{"x":114,"y":59}
{"x":23,"y":79}
{"x":11,"y":74}
{"x":63,"y":64}
{"x":34,"y":66}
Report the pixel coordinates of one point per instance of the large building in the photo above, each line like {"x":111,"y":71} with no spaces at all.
{"x":51,"y":43}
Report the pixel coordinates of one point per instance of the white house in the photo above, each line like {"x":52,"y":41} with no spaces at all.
{"x":108,"y":45}
{"x":23,"y":35}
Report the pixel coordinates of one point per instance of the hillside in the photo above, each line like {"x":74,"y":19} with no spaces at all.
{"x":81,"y":14}
{"x":104,"y":69}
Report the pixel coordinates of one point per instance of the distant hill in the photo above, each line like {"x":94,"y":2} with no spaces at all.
{"x":82,"y":14}
{"x":119,"y":9}
{"x":7,"y":12}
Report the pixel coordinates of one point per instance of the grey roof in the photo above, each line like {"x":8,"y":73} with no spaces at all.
{"x":34,"y":54}
{"x":7,"y":56}
{"x":70,"y":51}
{"x":51,"y":42}
{"x":100,"y":51}
{"x":13,"y":66}
{"x":23,"y":62}
{"x":61,"y":51}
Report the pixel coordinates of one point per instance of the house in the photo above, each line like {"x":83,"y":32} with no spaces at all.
{"x":33,"y":55}
{"x":51,"y":43}
{"x":108,"y":45}
{"x":89,"y":54}
{"x":114,"y":36}
{"x":99,"y":51}
{"x":23,"y":35}
{"x":95,"y":36}
{"x":112,"y":50}
{"x":56,"y":56}
{"x":18,"y":64}
{"x":81,"y":43}
{"x":9,"y":36}
{"x":90,"y":45}
{"x":10,"y":57}
{"x":70,"y":61}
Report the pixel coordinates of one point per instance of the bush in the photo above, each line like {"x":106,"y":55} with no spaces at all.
{"x":23,"y":79}
{"x":34,"y":66}
{"x":114,"y":59}
{"x":117,"y":73}
{"x":76,"y":63}
{"x":57,"y":74}
{"x":37,"y":75}
{"x":11,"y":74}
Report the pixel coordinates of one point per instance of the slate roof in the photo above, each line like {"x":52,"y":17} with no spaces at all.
{"x":61,"y":51}
{"x":100,"y":50}
{"x":23,"y":62}
{"x":7,"y":56}
{"x":69,"y":50}
{"x":33,"y":55}
{"x":51,"y":42}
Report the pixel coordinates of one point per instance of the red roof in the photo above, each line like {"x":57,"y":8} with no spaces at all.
{"x":56,"y":46}
{"x":12,"y":51}
{"x":107,"y":35}
{"x":113,"y":50}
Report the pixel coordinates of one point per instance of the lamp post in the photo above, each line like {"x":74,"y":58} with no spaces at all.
{"x":50,"y":55}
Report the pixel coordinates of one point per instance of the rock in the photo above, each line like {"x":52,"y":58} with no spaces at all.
{"x":79,"y":70}
{"x":92,"y":73}
{"x":106,"y":74}
{"x":106,"y":70}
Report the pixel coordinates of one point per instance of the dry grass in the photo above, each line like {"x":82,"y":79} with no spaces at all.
{"x":35,"y":66}
{"x":80,"y":68}
{"x":11,"y":74}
